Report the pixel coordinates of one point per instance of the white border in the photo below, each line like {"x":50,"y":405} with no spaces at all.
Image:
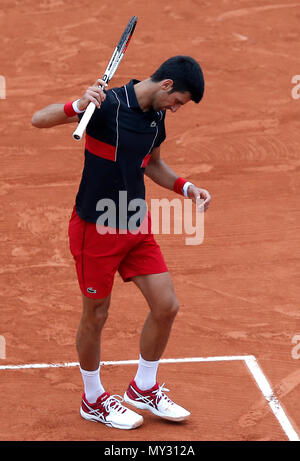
{"x":250,"y":361}
{"x":117,"y":124}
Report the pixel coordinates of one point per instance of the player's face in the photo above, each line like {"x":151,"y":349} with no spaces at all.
{"x":165,"y":100}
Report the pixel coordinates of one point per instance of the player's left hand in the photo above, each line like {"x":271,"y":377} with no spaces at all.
{"x":199,"y":196}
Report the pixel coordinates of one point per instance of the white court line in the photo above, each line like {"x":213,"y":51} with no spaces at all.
{"x":126,"y":362}
{"x":271,"y":398}
{"x":249,"y":360}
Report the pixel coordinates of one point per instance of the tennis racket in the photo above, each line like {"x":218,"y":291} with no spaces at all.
{"x":110,"y":70}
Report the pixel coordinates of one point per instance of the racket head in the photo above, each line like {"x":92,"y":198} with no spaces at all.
{"x":127,"y":34}
{"x":120,"y":50}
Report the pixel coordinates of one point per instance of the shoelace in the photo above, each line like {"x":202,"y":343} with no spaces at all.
{"x":161,"y":395}
{"x":114,"y":402}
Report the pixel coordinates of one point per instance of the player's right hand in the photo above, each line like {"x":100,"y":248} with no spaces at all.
{"x":93,"y":94}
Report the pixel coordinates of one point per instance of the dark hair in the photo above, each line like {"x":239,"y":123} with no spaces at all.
{"x":186,"y":74}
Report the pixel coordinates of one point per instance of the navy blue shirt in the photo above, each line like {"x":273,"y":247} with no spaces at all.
{"x":120,"y":138}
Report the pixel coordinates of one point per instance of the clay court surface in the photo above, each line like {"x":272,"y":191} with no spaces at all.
{"x":239,"y":291}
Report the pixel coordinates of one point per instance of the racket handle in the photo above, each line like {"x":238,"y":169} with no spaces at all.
{"x":78,"y":133}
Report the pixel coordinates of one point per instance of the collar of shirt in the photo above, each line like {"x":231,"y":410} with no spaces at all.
{"x":132,"y":101}
{"x":131,"y":96}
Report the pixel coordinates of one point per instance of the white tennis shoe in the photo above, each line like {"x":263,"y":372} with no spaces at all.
{"x":109,"y":410}
{"x":156,"y":401}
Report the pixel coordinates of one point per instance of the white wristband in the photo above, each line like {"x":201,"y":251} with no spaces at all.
{"x":75,"y":107}
{"x":185,"y":188}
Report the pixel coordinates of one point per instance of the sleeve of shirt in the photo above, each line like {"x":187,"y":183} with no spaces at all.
{"x":161,"y":132}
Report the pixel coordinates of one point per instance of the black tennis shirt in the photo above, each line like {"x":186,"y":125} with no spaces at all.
{"x":120,"y":138}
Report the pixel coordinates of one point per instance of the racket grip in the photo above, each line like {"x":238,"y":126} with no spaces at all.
{"x":78,"y":133}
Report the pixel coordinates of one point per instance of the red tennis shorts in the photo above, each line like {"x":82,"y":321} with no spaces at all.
{"x":99,"y":256}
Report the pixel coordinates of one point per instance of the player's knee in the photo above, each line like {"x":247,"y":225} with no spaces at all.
{"x":174,"y":307}
{"x":100,"y":314}
{"x":95,"y":314}
{"x":167,"y":310}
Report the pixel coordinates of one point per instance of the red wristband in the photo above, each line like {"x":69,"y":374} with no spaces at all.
{"x":68,"y":108}
{"x":178,"y":185}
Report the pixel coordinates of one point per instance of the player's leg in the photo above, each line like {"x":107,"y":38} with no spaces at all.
{"x":88,"y":344}
{"x":97,"y":404}
{"x":88,"y":339}
{"x":144,"y":392}
{"x":145,"y":266}
{"x":95,"y":270}
{"x":159,"y":293}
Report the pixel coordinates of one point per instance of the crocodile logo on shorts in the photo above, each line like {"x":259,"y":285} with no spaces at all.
{"x":91,"y":290}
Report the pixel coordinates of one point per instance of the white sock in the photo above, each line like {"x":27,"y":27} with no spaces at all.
{"x":92,"y":384}
{"x":146,"y":374}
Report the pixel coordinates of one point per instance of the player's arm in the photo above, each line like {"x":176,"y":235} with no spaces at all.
{"x":55,"y":113}
{"x":162,"y":174}
{"x":159,"y":171}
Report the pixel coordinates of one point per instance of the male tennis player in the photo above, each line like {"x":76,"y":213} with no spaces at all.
{"x":123,"y":141}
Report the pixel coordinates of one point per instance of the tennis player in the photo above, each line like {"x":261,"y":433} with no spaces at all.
{"x":122,"y":144}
